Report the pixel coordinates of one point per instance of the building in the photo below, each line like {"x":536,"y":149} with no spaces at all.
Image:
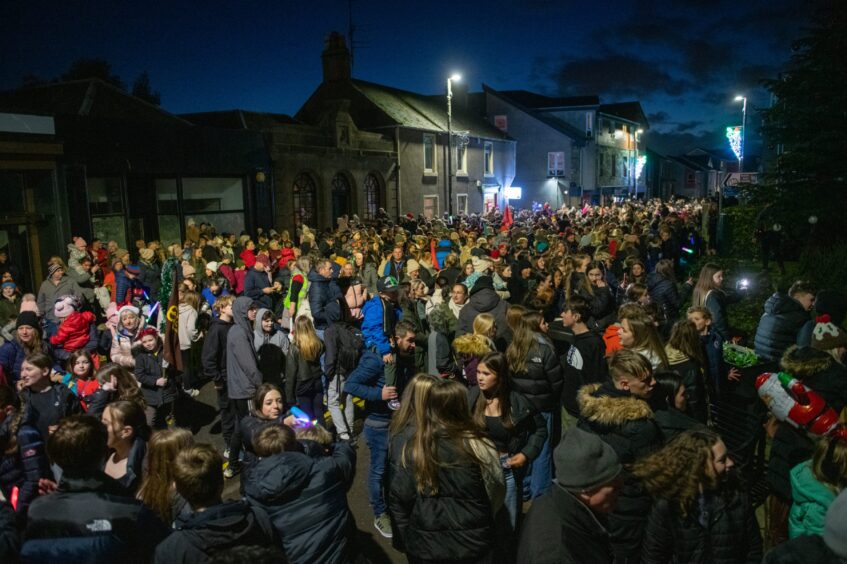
{"x":569,"y":149}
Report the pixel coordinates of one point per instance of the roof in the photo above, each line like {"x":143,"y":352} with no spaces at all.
{"x":687,"y":162}
{"x":630,"y":111}
{"x":542,"y":115}
{"x":539,"y":101}
{"x":419,"y":111}
{"x":239,"y":119}
{"x":90,"y":97}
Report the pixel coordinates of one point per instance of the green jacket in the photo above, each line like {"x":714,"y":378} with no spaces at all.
{"x":9,"y":309}
{"x":811,"y":500}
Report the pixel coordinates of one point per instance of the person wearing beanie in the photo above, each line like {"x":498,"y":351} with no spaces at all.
{"x":829,"y":337}
{"x":569,"y":524}
{"x":257,"y":282}
{"x":57,"y":284}
{"x":484,"y":299}
{"x":10,"y":302}
{"x":74,"y":327}
{"x":150,"y":275}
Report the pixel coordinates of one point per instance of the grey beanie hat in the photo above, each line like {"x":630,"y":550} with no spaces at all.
{"x":835,"y":526}
{"x":583,"y":461}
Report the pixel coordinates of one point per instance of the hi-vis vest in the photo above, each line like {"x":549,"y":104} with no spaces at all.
{"x":304,"y":291}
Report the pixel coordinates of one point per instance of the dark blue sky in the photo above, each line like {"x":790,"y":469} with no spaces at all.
{"x":684,"y":61}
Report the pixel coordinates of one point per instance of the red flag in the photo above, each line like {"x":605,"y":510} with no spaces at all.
{"x":433,"y":255}
{"x":507,"y":219}
{"x":172,"y":353}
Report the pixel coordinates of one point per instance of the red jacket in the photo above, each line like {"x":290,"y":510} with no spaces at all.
{"x":249,"y":258}
{"x":73,"y":332}
{"x":227,"y":272}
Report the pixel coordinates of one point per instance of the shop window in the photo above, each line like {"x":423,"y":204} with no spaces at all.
{"x":200,"y":195}
{"x":430,"y":206}
{"x":106,"y":203}
{"x":373,"y":201}
{"x":304,"y":194}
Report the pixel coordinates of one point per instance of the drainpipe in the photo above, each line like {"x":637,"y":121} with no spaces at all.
{"x":397,"y":172}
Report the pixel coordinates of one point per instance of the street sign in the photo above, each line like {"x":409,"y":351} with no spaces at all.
{"x":736,"y":178}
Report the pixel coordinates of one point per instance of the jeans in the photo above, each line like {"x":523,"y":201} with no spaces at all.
{"x":239,"y":408}
{"x":311,"y":400}
{"x":377,"y":440}
{"x":227,"y":416}
{"x":336,"y":400}
{"x":512,"y":501}
{"x":539,"y":479}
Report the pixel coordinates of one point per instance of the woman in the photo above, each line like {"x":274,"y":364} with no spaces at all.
{"x":303,"y":373}
{"x":709,"y":293}
{"x":157,"y":387}
{"x":267,"y":411}
{"x":10,"y":303}
{"x":189,"y":308}
{"x":444,"y":466}
{"x":125,"y":336}
{"x":516,"y":428}
{"x":413,"y":305}
{"x":815,"y":484}
{"x":367,"y":272}
{"x":662,"y":287}
{"x":700,"y":515}
{"x":354,"y":290}
{"x":126,"y":426}
{"x":672,"y":395}
{"x":157,"y":491}
{"x":471,"y":347}
{"x":686,"y":358}
{"x":27,"y":341}
{"x":47,"y":403}
{"x":587,"y":282}
{"x":639,"y":334}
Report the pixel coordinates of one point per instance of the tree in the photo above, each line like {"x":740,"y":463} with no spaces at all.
{"x":809,"y":119}
{"x":93,"y":68}
{"x":141,"y":88}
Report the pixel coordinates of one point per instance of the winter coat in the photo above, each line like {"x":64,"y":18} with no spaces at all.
{"x":216,"y":529}
{"x":213,"y":357}
{"x":306,"y":499}
{"x":369,"y":278}
{"x":367,"y":381}
{"x":456,"y":523}
{"x":134,"y":466}
{"x":188,"y":333}
{"x":583,"y":363}
{"x":25,"y":466}
{"x":791,"y":446}
{"x":301,"y":375}
{"x":123,"y":288}
{"x":271,"y":350}
{"x":716,"y":302}
{"x":73,"y":333}
{"x":242,"y":371}
{"x":254,"y":282}
{"x":62,"y":403}
{"x":779,"y":326}
{"x":342,"y":342}
{"x":731,"y":535}
{"x":322,"y":290}
{"x":250,"y":426}
{"x":695,"y":383}
{"x":802,"y":549}
{"x":122,"y":342}
{"x":148,"y":369}
{"x":625,"y":423}
{"x":12,"y":355}
{"x":9,"y":309}
{"x":529,"y":430}
{"x":600,"y":300}
{"x":559,"y":529}
{"x":673,"y":422}
{"x":10,"y":538}
{"x":486,"y":300}
{"x":811,"y":499}
{"x":470,"y":349}
{"x":91,"y":519}
{"x":379,"y":318}
{"x":663,"y":292}
{"x":541,"y":381}
{"x":151,"y":278}
{"x":411,"y":313}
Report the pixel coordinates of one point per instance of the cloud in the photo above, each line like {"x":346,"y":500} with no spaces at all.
{"x":684,"y":126}
{"x":658,"y":117}
{"x":614,"y":76}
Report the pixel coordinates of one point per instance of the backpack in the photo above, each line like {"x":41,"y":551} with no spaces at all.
{"x":350,"y":345}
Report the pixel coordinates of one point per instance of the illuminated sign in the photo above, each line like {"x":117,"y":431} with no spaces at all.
{"x":514,"y":193}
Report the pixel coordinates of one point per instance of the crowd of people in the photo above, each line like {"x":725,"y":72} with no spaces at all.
{"x":529,"y":388}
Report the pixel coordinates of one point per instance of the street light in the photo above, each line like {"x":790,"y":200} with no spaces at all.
{"x":454,"y":77}
{"x":638,"y":132}
{"x":743,"y":100}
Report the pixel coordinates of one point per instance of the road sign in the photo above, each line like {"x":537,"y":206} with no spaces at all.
{"x":736,"y":178}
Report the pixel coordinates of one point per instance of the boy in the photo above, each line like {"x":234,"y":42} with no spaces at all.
{"x":214,"y":526}
{"x":380,"y":315}
{"x":584,"y":362}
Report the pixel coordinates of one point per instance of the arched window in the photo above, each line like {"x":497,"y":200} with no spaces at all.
{"x":304,"y":200}
{"x":342,"y":195}
{"x":372,"y":196}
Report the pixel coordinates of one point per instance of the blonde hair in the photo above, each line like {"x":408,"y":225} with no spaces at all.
{"x":162,"y":450}
{"x":306,"y":339}
{"x":222,"y":302}
{"x":484,"y":324}
{"x":190,"y":297}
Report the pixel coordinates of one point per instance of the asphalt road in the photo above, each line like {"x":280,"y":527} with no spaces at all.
{"x":206,"y":428}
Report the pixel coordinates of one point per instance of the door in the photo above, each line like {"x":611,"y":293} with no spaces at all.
{"x":14,"y":241}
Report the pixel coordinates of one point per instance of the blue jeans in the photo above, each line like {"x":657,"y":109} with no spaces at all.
{"x":377,"y":440}
{"x":539,"y":479}
{"x":512,"y":500}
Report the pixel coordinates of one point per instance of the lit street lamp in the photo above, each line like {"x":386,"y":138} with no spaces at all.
{"x":638,"y":132}
{"x":454,"y":77}
{"x":743,"y":100}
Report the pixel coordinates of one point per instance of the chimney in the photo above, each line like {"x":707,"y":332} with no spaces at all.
{"x":336,"y":58}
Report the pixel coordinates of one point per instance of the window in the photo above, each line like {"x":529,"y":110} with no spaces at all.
{"x":488,"y":159}
{"x":373,"y":201}
{"x":461,"y":158}
{"x":625,"y":166}
{"x":430,"y":206}
{"x":167,"y":205}
{"x":218,"y":201}
{"x":614,"y":170}
{"x":429,"y":152}
{"x":462,"y":204}
{"x":341,"y":195}
{"x":304,"y":194}
{"x":105,"y":200}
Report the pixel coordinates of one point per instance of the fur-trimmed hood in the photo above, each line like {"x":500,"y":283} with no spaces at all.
{"x":802,"y":362}
{"x":476,"y":345}
{"x":598,"y":404}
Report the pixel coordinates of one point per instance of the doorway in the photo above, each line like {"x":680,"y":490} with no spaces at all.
{"x":341,"y":196}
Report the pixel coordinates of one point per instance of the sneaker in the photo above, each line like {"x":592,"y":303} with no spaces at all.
{"x":383,"y":525}
{"x":191,"y":392}
{"x":231,"y":471}
{"x":226,"y":454}
{"x":394,"y":404}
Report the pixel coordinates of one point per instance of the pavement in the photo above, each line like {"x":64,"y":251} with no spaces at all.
{"x":374,"y":547}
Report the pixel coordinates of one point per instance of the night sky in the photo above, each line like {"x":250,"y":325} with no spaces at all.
{"x":684,"y":60}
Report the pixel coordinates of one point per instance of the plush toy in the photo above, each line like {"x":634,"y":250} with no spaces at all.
{"x":790,"y":401}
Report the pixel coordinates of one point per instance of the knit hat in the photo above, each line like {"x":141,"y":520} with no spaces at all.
{"x":29,"y":305}
{"x":27,"y":318}
{"x":481,"y":265}
{"x":54,"y":268}
{"x":835,"y":526}
{"x":482,"y":282}
{"x":583,"y":461}
{"x":412,"y":265}
{"x":80,"y":243}
{"x":148,"y":331}
{"x":826,"y":335}
{"x":187,"y":270}
{"x":8,"y":285}
{"x":386,"y":284}
{"x":213,"y":266}
{"x":129,"y":308}
{"x":146,"y":254}
{"x":65,"y":305}
{"x":132,"y":269}
{"x":264,"y":260}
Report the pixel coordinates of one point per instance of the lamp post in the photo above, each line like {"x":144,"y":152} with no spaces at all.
{"x":450,"y":80}
{"x":638,"y":132}
{"x":743,"y":100}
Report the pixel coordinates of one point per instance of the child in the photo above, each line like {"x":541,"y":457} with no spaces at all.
{"x":303,"y":384}
{"x":79,"y":377}
{"x":379,"y":317}
{"x":271,"y":347}
{"x":213,"y":359}
{"x":473,"y":346}
{"x":74,"y":326}
{"x":157,"y":387}
{"x":116,"y":383}
{"x":188,"y":335}
{"x":584,"y":362}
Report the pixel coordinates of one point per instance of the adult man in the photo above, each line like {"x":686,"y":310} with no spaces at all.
{"x":90,"y":518}
{"x":569,"y":524}
{"x":57,"y":284}
{"x":484,"y":299}
{"x":257,"y":283}
{"x":367,"y":381}
{"x":322,"y":291}
{"x":784,"y":317}
{"x":396,"y":263}
{"x":617,"y":411}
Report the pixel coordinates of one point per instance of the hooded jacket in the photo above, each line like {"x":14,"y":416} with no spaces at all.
{"x":583,"y":363}
{"x":306,"y":499}
{"x":242,"y":371}
{"x":24,"y":467}
{"x":663,"y":292}
{"x":271,"y":350}
{"x":254,"y":283}
{"x":379,"y":316}
{"x":694,"y":380}
{"x":122,"y":342}
{"x":485,"y":300}
{"x":148,"y":369}
{"x":541,"y":380}
{"x":188,"y":332}
{"x":213,"y":357}
{"x":471,"y":348}
{"x":626,"y":424}
{"x":74,"y":332}
{"x":779,"y":326}
{"x":215,"y":530}
{"x":322,"y":290}
{"x":811,"y":499}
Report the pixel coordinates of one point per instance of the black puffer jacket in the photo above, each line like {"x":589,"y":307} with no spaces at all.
{"x":779,"y":326}
{"x":791,"y":446}
{"x":625,"y":423}
{"x":731,"y":536}
{"x":454,"y":525}
{"x":663,"y":292}
{"x":541,"y":381}
{"x":148,"y":369}
{"x":23,"y":468}
{"x":529,"y":431}
{"x":485,"y":300}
